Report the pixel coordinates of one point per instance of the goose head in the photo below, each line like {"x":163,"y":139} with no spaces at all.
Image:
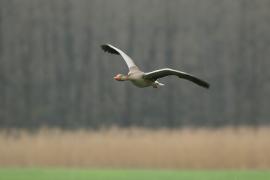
{"x":121,"y":77}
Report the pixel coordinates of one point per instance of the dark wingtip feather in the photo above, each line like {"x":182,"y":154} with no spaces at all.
{"x":206,"y":85}
{"x":195,"y":80}
{"x":109,"y":49}
{"x":202,"y":83}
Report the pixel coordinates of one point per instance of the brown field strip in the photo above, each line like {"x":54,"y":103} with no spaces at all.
{"x":138,"y":148}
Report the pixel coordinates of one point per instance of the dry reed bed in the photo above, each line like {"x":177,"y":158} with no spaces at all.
{"x":138,"y":148}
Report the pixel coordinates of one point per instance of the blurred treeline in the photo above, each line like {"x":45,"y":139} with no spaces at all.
{"x":53,"y":72}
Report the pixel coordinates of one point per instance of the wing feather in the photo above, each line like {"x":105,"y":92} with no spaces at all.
{"x":113,"y":50}
{"x":154,"y":75}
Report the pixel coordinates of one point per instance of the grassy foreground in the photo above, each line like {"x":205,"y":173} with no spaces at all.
{"x":74,"y":174}
{"x":193,"y":149}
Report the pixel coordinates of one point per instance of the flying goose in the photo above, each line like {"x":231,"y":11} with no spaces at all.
{"x":142,"y":79}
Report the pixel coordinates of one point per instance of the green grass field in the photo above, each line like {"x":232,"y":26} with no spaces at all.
{"x":77,"y":174}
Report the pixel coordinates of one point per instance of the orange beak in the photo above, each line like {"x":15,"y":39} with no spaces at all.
{"x":117,"y":78}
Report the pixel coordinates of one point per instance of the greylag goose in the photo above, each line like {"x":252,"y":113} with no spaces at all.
{"x":142,"y":79}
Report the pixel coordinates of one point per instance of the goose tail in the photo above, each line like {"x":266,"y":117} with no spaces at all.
{"x":157,"y":84}
{"x":160,"y":84}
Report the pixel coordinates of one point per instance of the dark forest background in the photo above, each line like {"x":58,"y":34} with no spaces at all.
{"x":53,"y":72}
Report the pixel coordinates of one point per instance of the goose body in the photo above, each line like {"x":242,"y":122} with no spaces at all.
{"x":143,"y":79}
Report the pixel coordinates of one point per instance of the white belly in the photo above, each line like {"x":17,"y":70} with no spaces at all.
{"x":142,"y":83}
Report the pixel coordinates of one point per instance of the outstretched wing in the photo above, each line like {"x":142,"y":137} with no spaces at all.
{"x":113,"y":50}
{"x":154,"y":75}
